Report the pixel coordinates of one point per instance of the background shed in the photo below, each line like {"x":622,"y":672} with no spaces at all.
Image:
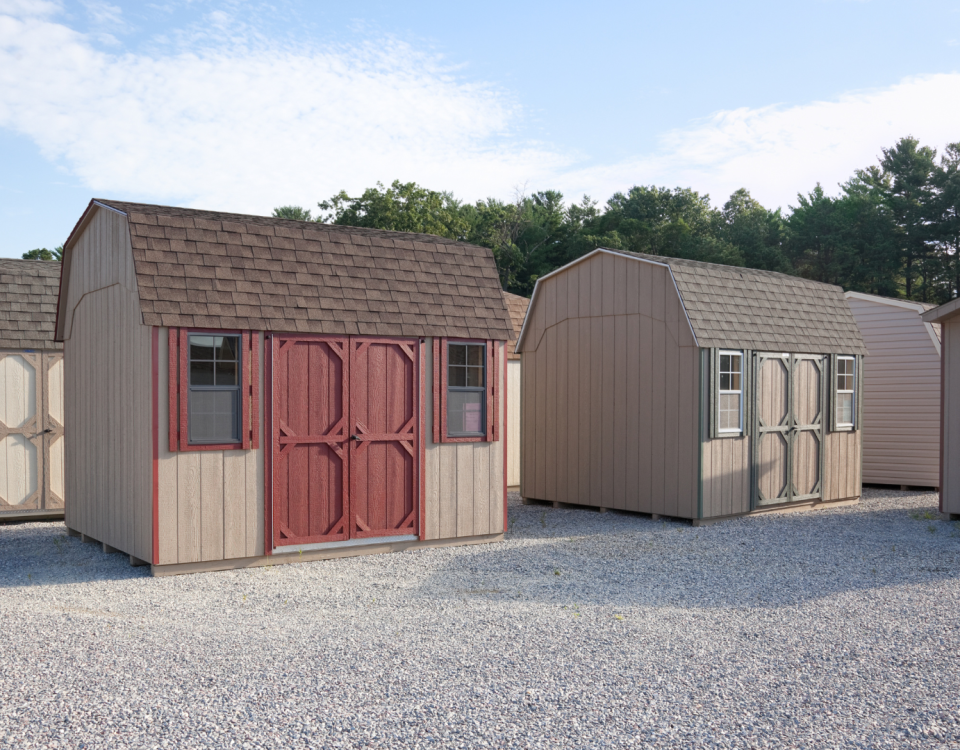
{"x":517,"y":307}
{"x":31,"y":391}
{"x":901,"y":391}
{"x":629,"y":400}
{"x":948,"y":317}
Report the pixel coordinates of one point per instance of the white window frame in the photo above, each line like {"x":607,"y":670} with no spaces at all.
{"x":852,"y":391}
{"x":738,"y":392}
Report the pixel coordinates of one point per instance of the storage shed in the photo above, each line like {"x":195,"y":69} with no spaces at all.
{"x":31,"y":392}
{"x":688,"y":389}
{"x":247,"y":390}
{"x":948,"y":317}
{"x":517,"y":307}
{"x":901,"y":391}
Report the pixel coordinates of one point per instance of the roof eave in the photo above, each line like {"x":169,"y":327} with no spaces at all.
{"x":940,"y":314}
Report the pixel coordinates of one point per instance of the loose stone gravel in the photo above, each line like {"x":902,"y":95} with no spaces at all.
{"x":824,"y":629}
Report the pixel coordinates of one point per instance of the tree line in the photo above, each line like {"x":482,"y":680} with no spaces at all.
{"x":893,"y":229}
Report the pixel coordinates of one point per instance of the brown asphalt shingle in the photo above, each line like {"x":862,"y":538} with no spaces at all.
{"x":216,"y":270}
{"x":745,"y":308}
{"x":29,"y":290}
{"x":517,"y":307}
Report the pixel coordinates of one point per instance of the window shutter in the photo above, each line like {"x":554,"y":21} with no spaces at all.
{"x":255,"y":390}
{"x":184,"y":397}
{"x":493,"y":392}
{"x":747,"y":392}
{"x":245,"y":391}
{"x":714,"y":401}
{"x":173,"y":387}
{"x":437,"y":414}
{"x":858,"y":394}
{"x":832,"y":393}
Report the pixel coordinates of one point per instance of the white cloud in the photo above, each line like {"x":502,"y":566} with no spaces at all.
{"x":248,"y":126}
{"x":777,"y":151}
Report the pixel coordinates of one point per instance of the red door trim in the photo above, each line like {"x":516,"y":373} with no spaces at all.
{"x":268,"y":355}
{"x":422,"y":462}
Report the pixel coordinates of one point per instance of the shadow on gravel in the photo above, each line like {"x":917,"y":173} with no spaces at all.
{"x":41,"y":554}
{"x":581,"y":557}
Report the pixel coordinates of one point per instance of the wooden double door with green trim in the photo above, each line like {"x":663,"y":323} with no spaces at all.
{"x":789,"y":428}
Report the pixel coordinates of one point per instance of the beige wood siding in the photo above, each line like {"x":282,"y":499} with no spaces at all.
{"x":950,"y":491}
{"x":463,"y":481}
{"x":609,"y":384}
{"x":901,"y":396}
{"x":210,"y":503}
{"x":513,"y":422}
{"x":108,"y":469}
{"x":841,"y":465}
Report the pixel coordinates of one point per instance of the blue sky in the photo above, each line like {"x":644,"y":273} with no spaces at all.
{"x":242,"y":106}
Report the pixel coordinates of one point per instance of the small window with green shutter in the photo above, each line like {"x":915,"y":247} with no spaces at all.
{"x":845,"y":398}
{"x":730,"y":392}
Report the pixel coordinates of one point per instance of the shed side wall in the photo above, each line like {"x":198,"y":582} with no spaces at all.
{"x":463,"y":481}
{"x":901,"y":396}
{"x":513,"y":422}
{"x":108,"y":471}
{"x":950,"y":492}
{"x":210,"y":503}
{"x":609,"y":391}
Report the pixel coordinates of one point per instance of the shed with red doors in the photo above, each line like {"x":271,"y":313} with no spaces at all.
{"x":246,"y":390}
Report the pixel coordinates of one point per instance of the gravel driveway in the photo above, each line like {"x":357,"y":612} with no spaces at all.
{"x":830,"y":629}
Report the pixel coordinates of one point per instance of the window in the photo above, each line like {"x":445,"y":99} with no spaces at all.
{"x":730,"y":411}
{"x":845,"y":391}
{"x":214,"y":389}
{"x":466,"y":389}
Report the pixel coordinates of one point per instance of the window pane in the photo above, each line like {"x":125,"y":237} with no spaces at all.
{"x":226,"y":347}
{"x":844,"y":408}
{"x":735,"y":381}
{"x":465,"y":412}
{"x":730,"y":412}
{"x":226,"y":373}
{"x":201,"y":373}
{"x":457,"y":376}
{"x":724,"y":363}
{"x":201,"y":347}
{"x":475,"y":377}
{"x":457,"y":354}
{"x":724,"y":381}
{"x":214,"y":416}
{"x":475,"y":354}
{"x":734,"y":363}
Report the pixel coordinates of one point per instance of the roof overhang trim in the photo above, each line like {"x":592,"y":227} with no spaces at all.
{"x":903,"y":304}
{"x":581,"y":259}
{"x":940,"y":314}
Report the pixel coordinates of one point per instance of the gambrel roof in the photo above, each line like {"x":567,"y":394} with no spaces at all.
{"x":28,"y":303}
{"x":743,"y":308}
{"x":217,"y":270}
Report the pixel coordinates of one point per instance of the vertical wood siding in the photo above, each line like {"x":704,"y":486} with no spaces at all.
{"x":609,"y":404}
{"x":841,"y":465}
{"x":463,"y":481}
{"x":901,"y":396}
{"x":210,"y":503}
{"x":108,"y":450}
{"x":950,"y":491}
{"x":513,"y":423}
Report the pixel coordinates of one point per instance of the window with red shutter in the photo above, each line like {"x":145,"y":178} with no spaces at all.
{"x":466,"y":391}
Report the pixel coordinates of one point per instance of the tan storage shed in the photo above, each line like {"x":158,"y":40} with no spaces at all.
{"x":948,"y":317}
{"x":901,"y":391}
{"x":31,"y":392}
{"x":517,"y":307}
{"x":247,"y":390}
{"x":688,"y":389}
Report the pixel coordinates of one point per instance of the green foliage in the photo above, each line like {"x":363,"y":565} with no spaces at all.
{"x":41,"y":253}
{"x":893,"y":230}
{"x":294,"y":213}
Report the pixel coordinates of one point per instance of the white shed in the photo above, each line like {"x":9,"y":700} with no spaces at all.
{"x":517,"y":307}
{"x":901,"y":391}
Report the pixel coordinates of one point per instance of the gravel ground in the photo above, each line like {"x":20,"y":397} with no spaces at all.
{"x":827,"y":629}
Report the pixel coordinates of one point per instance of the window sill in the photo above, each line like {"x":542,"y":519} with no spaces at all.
{"x":212,"y":447}
{"x":722,"y":435}
{"x":466,"y":439}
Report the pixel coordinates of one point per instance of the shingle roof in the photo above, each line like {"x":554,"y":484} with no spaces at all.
{"x":517,"y":307}
{"x":28,"y":303}
{"x":751,"y":309}
{"x":219,"y":270}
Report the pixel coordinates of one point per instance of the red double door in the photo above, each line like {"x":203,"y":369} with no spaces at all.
{"x":346,"y":438}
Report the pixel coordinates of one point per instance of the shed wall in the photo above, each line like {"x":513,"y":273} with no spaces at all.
{"x":108,"y":393}
{"x":950,"y":490}
{"x":210,"y":503}
{"x":901,"y":396}
{"x":609,"y":380}
{"x":463,"y":481}
{"x":513,"y":422}
{"x":841,"y":465}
